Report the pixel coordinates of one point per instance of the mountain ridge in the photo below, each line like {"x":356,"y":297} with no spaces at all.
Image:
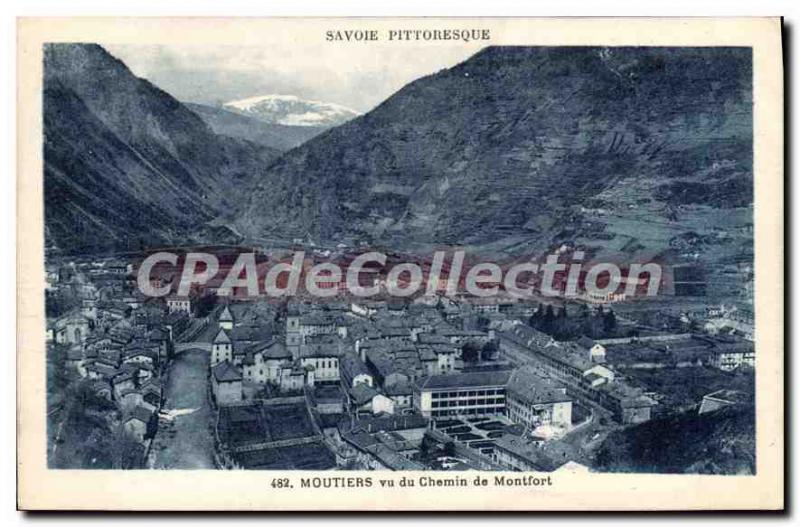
{"x":126,"y":164}
{"x":250,"y":128}
{"x":517,"y":144}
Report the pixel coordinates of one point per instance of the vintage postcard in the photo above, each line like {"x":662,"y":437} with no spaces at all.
{"x":400,"y":264}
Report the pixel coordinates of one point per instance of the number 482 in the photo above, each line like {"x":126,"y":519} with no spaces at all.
{"x":280,"y":483}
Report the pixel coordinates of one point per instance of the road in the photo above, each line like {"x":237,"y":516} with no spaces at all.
{"x":185,"y":429}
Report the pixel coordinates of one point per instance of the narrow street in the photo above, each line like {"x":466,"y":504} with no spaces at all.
{"x":185,"y":429}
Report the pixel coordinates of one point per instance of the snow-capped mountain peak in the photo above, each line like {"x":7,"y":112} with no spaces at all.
{"x":291,"y":110}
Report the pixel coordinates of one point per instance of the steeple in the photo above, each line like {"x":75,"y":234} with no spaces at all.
{"x":226,"y":318}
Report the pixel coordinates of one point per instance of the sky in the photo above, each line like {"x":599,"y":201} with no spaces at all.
{"x":356,"y":77}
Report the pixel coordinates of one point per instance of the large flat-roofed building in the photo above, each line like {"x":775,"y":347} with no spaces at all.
{"x":468,"y":393}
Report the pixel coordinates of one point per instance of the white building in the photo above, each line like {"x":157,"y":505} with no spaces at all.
{"x":533,"y":399}
{"x":221,"y":348}
{"x":264,"y":362}
{"x":179,"y":304}
{"x":472,"y":393}
{"x":729,"y":358}
{"x":325,"y":366}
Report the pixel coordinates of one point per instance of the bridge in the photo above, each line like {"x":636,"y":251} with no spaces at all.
{"x":199,"y":335}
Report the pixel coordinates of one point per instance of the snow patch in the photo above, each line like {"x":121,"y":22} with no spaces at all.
{"x":291,"y":110}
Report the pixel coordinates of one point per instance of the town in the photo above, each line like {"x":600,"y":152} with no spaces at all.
{"x":431,"y":382}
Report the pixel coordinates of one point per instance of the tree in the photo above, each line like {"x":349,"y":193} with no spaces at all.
{"x":205,"y":305}
{"x":548,"y":319}
{"x":428,"y":448}
{"x":593,"y":326}
{"x":470,"y":352}
{"x":537,"y":315}
{"x":60,"y":302}
{"x":281,"y":310}
{"x":609,"y":322}
{"x":126,"y":452}
{"x":84,"y":438}
{"x":489,"y":350}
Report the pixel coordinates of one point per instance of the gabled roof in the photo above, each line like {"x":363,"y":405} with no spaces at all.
{"x":320,"y":350}
{"x":567,"y":353}
{"x":100,"y":386}
{"x":433,"y":338}
{"x":641,"y":401}
{"x":150,"y":388}
{"x":154,"y":382}
{"x":157,"y":334}
{"x":73,"y":316}
{"x":591,"y":377}
{"x":222,"y":337}
{"x":270,"y":349}
{"x":535,"y":386}
{"x":402,"y":387}
{"x":135,"y":352}
{"x":127,"y":391}
{"x":527,"y":451}
{"x":226,"y":372}
{"x":386,"y":365}
{"x":140,"y":413}
{"x":352,"y":366}
{"x":730,"y":396}
{"x":251,"y":333}
{"x":362,"y":393}
{"x":124,"y":377}
{"x":317,"y":319}
{"x":226,"y":315}
{"x":102,"y":369}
